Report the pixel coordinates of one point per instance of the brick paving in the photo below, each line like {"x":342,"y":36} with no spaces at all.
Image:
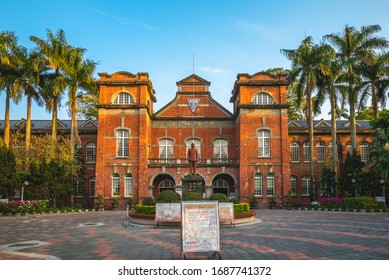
{"x":274,"y":235}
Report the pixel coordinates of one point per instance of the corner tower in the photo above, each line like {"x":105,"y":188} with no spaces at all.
{"x":261,"y":123}
{"x":124,"y":116}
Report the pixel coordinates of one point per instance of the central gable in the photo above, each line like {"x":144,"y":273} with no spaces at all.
{"x":193,"y":99}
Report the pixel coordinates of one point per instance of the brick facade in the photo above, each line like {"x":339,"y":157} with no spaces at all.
{"x":139,"y":152}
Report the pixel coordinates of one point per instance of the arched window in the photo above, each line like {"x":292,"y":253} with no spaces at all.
{"x":128,"y":185}
{"x":122,"y":143}
{"x":294,"y":152}
{"x":123,"y":98}
{"x":258,"y":184}
{"x":364,"y":146}
{"x":220,"y":149}
{"x":166,"y":148}
{"x":262,"y":98}
{"x":197,"y":143}
{"x":115,"y":184}
{"x":293,"y":185}
{"x":166,"y":184}
{"x":320,"y":151}
{"x":270,"y":184}
{"x":307,"y":152}
{"x":264,"y":143}
{"x":90,"y":152}
{"x":220,"y":183}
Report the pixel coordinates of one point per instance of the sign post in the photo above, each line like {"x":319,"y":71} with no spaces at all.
{"x":200,"y":227}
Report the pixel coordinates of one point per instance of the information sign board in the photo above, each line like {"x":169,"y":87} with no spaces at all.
{"x":226,"y":212}
{"x":168,"y":212}
{"x":200,"y":226}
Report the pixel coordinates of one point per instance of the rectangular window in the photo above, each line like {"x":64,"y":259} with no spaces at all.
{"x":320,"y":151}
{"x":90,"y":152}
{"x":78,"y":188}
{"x":364,"y":151}
{"x":92,"y":183}
{"x":115,"y":184}
{"x":306,"y":188}
{"x":264,"y":143}
{"x":220,"y":150}
{"x":293,"y":185}
{"x":122,"y":143}
{"x":295,"y":152}
{"x":307,"y":152}
{"x":270,"y":184}
{"x":258,"y":184}
{"x":128,"y":185}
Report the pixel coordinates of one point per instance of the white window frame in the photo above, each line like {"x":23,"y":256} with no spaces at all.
{"x":258,"y":184}
{"x":115,"y":184}
{"x":320,"y":151}
{"x":128,"y":181}
{"x":220,"y":149}
{"x":270,"y":184}
{"x":293,"y":185}
{"x":122,"y":143}
{"x":92,"y":186}
{"x":263,"y":143}
{"x":123,"y":98}
{"x":90,"y":152}
{"x":262,"y":98}
{"x":307,"y":151}
{"x":305,"y":186}
{"x":166,"y":148}
{"x":294,"y":152}
{"x":364,"y":148}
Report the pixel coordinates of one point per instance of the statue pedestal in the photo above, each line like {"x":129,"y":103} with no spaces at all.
{"x":192,"y":183}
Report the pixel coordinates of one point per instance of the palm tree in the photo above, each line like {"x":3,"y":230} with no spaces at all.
{"x":375,"y":71}
{"x":352,"y":47}
{"x":307,"y":63}
{"x":79,"y":76}
{"x":54,"y":51}
{"x":10,"y":63}
{"x":31,"y":72}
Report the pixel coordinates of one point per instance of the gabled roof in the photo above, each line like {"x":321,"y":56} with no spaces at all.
{"x":326,"y":124}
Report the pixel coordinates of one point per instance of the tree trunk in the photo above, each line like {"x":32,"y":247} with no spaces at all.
{"x":374,"y":101}
{"x":353,"y":130}
{"x":74,"y":137}
{"x":54,"y":118}
{"x":7,"y":125}
{"x":310,"y":139}
{"x":334,"y":151}
{"x":28,"y":131}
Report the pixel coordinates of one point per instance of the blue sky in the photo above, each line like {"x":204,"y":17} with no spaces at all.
{"x":161,"y":37}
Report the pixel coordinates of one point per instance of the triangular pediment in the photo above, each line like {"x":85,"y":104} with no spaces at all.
{"x":59,"y":124}
{"x":193,"y":79}
{"x":347,"y":124}
{"x":20,"y":124}
{"x":89,"y":124}
{"x":293,"y":124}
{"x":322,"y":124}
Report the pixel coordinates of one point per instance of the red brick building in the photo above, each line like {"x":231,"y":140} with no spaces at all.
{"x":254,"y":150}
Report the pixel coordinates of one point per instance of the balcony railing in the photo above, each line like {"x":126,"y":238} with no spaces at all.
{"x":183,"y":162}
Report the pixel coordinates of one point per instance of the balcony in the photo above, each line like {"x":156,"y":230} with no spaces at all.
{"x":183,"y":162}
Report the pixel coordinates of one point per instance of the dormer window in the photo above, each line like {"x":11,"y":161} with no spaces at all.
{"x":262,"y":98}
{"x":123,"y":98}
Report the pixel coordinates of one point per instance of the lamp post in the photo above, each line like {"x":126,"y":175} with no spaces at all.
{"x":25,"y":184}
{"x":382,"y":184}
{"x":355,"y":188}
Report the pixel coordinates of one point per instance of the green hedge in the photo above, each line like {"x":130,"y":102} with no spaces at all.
{"x":242,"y":208}
{"x":145,"y":209}
{"x":362,"y":202}
{"x":221,"y":197}
{"x":192,"y":196}
{"x":168,"y":196}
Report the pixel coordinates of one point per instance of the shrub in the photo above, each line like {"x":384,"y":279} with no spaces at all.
{"x":234,"y":200}
{"x":221,"y":197}
{"x":192,"y":196}
{"x":168,"y":196}
{"x":24,"y":207}
{"x":145,"y":209}
{"x":148,"y":201}
{"x":331,"y":202}
{"x":362,"y":202}
{"x":242,"y":208}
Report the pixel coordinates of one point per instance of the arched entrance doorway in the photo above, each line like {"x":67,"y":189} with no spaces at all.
{"x":163,"y":182}
{"x":223,"y":183}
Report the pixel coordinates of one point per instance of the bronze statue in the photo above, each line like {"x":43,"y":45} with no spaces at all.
{"x":192,"y":158}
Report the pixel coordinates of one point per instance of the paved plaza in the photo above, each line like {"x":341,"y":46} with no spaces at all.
{"x":274,"y":235}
